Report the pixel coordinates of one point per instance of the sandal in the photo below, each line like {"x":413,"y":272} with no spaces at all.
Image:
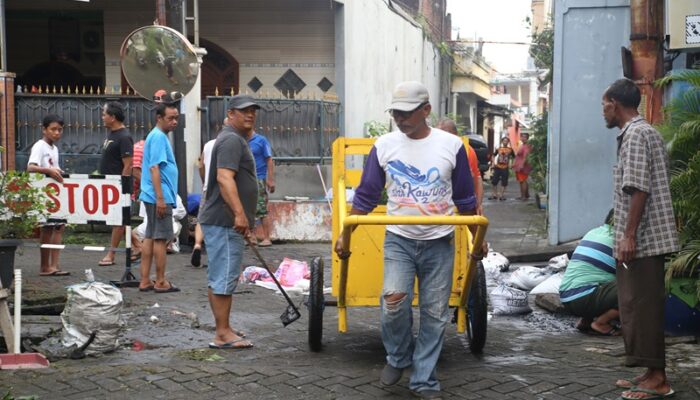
{"x":170,"y":289}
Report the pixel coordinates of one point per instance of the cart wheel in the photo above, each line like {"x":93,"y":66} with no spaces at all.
{"x":476,"y":311}
{"x":316,"y":305}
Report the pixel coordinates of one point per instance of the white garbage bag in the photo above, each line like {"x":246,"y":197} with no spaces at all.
{"x":558,"y":263}
{"x":506,"y":300}
{"x":526,"y":278}
{"x":496,"y":260}
{"x":93,"y":307}
{"x":549,"y":285}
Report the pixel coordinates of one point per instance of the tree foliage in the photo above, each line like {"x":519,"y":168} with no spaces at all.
{"x":542,"y":51}
{"x":681,"y":130}
{"x":538,"y":156}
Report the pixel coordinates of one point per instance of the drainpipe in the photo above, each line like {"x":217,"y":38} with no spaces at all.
{"x":160,"y":12}
{"x":646,"y":21}
{"x":3,"y":39}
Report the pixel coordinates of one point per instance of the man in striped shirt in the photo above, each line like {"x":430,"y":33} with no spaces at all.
{"x":589,"y":289}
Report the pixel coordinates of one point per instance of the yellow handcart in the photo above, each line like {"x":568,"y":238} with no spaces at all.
{"x":357,"y":282}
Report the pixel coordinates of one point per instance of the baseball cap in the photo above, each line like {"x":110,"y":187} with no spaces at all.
{"x":242,"y":101}
{"x":407,"y":96}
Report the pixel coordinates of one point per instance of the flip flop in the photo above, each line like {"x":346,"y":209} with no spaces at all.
{"x":196,"y":259}
{"x":653,"y":394}
{"x":628,"y":383}
{"x":105,"y":263}
{"x":612,"y":332}
{"x":232,"y":345}
{"x":57,"y":272}
{"x":170,"y":289}
{"x":238,"y":333}
{"x":148,"y":288}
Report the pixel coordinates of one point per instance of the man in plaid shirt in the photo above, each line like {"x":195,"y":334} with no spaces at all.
{"x":645,"y":233}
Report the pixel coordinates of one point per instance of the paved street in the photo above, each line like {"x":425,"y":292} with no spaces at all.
{"x":526,"y":357}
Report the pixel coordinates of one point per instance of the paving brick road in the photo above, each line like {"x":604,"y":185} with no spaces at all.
{"x":526,"y":357}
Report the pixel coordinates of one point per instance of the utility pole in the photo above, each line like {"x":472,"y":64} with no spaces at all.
{"x":646,"y":19}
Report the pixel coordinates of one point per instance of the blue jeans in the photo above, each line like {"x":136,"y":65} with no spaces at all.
{"x":224,"y":253}
{"x":432,"y":262}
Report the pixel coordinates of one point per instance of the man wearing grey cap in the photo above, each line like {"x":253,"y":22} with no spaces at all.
{"x":425,"y":172}
{"x":227,"y":215}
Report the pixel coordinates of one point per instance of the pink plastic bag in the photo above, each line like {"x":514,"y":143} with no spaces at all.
{"x":291,"y":271}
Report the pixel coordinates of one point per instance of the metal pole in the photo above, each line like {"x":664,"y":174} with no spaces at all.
{"x":196,"y":23}
{"x":3,"y":38}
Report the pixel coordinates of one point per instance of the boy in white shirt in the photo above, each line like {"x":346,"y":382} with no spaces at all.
{"x":43,"y":159}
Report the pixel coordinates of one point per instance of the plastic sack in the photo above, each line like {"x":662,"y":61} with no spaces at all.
{"x":93,"y":307}
{"x":526,"y":278}
{"x":253,"y":273}
{"x":291,"y":271}
{"x":506,"y":300}
{"x":549,"y":285}
{"x":558,"y":263}
{"x":496,"y":260}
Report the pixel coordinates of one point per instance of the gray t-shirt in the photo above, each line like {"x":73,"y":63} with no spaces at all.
{"x":230,"y":151}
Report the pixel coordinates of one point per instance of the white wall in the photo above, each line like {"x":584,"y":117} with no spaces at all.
{"x":380,"y":49}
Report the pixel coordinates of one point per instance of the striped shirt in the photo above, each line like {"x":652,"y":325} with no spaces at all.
{"x":592,"y":264}
{"x":642,"y":164}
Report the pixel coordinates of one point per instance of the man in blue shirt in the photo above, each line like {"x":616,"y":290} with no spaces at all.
{"x":265,"y":169}
{"x":158,"y":194}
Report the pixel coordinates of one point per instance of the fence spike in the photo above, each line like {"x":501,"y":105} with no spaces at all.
{"x":232,"y":92}
{"x":97,"y":90}
{"x":127,"y":90}
{"x":77,"y":91}
{"x":53,"y":89}
{"x":216,"y":91}
{"x":60,"y":90}
{"x":91,"y":90}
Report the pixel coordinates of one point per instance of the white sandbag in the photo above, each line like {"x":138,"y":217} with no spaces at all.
{"x":496,"y":260}
{"x":549,"y":285}
{"x":93,"y":307}
{"x":506,"y":300}
{"x":526,"y":278}
{"x":558,"y":263}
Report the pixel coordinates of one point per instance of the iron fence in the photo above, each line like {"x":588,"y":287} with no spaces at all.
{"x":83,"y":133}
{"x":298,"y":130}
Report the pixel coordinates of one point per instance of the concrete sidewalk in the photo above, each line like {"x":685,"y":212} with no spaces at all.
{"x":518,"y":228}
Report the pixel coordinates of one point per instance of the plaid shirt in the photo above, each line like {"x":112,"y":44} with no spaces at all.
{"x":642,"y":164}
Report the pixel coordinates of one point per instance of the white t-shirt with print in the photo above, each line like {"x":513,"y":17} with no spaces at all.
{"x":419,"y":179}
{"x":44,"y":155}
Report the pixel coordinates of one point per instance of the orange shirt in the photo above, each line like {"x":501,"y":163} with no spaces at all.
{"x":473,"y":162}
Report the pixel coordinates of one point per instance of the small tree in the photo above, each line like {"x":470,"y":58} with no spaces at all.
{"x":538,"y":156}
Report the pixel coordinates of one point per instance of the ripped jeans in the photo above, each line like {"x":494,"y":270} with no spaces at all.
{"x":432,"y":262}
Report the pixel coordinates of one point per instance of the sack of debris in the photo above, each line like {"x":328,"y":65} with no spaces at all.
{"x":526,"y":278}
{"x":549,"y":285}
{"x":506,"y":300}
{"x":558,"y":263}
{"x":93,"y":307}
{"x":495,"y":260}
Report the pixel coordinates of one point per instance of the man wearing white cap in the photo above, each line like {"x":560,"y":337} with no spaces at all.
{"x":425,"y":172}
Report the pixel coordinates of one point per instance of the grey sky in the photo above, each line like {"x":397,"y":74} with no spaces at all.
{"x":494,"y":20}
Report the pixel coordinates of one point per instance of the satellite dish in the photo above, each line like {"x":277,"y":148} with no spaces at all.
{"x":157,"y":58}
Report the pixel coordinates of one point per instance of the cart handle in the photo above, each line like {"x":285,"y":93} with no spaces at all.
{"x":347,"y":222}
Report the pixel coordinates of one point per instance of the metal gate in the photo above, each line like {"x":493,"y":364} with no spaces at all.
{"x":298,"y":130}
